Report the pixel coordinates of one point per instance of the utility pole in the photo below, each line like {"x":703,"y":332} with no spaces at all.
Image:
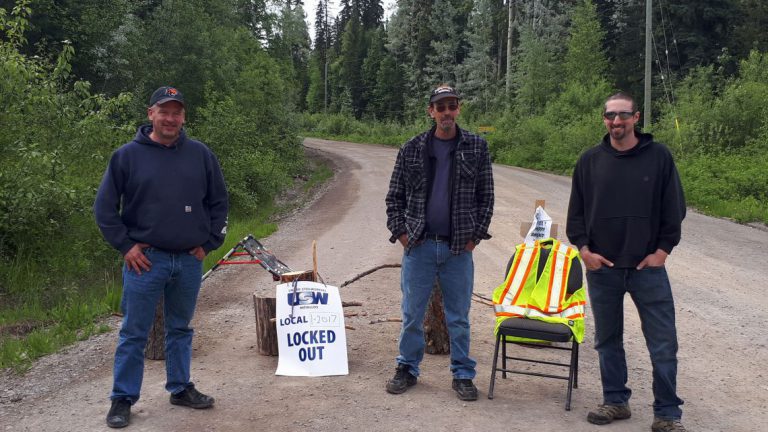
{"x":325,"y":73}
{"x":648,"y":34}
{"x":510,"y":40}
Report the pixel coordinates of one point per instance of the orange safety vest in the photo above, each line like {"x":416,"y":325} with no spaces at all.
{"x":544,"y":296}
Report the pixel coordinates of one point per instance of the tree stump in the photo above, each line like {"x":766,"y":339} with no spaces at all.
{"x":266,"y":327}
{"x":435,"y":329}
{"x":265,"y":309}
{"x":155,"y":349}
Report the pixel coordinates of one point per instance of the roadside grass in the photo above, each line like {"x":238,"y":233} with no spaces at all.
{"x":322,"y":174}
{"x":42,"y":312}
{"x":34,"y":330}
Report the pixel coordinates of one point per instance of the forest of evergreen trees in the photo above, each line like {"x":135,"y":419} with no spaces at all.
{"x":380,"y":69}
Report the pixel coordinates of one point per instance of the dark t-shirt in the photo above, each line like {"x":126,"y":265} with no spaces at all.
{"x":439,"y":202}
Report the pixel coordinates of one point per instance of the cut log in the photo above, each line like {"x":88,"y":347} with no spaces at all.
{"x":156,"y":342}
{"x":265,"y":309}
{"x":266,"y":330}
{"x":306,"y":275}
{"x":435,"y":329}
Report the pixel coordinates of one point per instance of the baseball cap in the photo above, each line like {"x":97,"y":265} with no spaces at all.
{"x":442,"y":92}
{"x":166,"y":94}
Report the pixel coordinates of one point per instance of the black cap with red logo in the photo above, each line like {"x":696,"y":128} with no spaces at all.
{"x":166,"y":94}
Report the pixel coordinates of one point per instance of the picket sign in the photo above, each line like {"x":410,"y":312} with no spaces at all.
{"x":540,"y":227}
{"x":310,"y":330}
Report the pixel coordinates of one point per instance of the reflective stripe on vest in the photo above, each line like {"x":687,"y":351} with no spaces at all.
{"x":575,"y":310}
{"x":517,"y":277}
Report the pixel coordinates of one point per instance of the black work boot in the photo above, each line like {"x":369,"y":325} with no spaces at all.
{"x":401,"y":381}
{"x":119,"y":414}
{"x":192,"y":398}
{"x":465,"y":389}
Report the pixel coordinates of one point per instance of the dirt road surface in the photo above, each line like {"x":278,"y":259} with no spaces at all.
{"x":718,"y":276}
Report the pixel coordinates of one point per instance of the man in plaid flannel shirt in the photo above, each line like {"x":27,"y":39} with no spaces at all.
{"x":439,"y":206}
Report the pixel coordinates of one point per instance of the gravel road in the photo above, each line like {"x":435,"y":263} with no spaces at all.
{"x":718,"y":276}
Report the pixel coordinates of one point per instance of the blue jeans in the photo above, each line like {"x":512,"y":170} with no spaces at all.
{"x":177,"y":277}
{"x":421,"y":265}
{"x":650,"y":291}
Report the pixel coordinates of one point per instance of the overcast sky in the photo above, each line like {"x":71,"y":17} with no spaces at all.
{"x":310,"y":7}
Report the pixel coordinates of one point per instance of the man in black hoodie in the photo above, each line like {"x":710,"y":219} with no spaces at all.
{"x":625,"y":215}
{"x":163,"y":204}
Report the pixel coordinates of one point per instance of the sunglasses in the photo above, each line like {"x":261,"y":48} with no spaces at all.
{"x":440,"y":108}
{"x":624,"y":115}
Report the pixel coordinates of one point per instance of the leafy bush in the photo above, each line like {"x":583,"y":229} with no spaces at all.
{"x":733,"y":185}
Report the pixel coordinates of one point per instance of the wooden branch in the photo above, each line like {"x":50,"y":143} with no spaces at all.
{"x":480,"y":296}
{"x":383,"y":320}
{"x":351,"y":303}
{"x":351,"y":314}
{"x":482,"y":299}
{"x":314,"y":260}
{"x":487,"y":303}
{"x":367,"y":272}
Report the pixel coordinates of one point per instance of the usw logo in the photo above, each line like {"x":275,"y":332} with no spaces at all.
{"x":307,"y":298}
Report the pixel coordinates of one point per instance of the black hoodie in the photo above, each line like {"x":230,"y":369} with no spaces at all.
{"x":626,"y":205}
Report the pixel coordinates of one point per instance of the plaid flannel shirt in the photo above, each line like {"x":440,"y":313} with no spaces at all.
{"x":472,"y":191}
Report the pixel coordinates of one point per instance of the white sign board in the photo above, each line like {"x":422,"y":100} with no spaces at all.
{"x":540,"y":228}
{"x":310,"y":330}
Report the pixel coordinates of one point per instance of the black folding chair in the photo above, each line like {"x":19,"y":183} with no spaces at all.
{"x":539,"y":330}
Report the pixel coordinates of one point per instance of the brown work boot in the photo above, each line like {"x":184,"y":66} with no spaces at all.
{"x":664,"y":425}
{"x":605,"y":414}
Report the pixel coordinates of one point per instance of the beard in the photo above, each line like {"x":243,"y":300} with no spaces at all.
{"x":446,"y":124}
{"x":618,"y":133}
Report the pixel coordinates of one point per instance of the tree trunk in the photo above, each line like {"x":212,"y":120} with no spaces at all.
{"x":266,"y":327}
{"x":156,"y":343}
{"x":435,"y":329}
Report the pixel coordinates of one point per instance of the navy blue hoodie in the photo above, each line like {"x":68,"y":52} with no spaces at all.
{"x":170,"y":197}
{"x":626,"y":205}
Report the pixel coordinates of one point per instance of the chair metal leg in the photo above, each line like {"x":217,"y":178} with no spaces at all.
{"x":576,"y":366}
{"x":493,"y":371}
{"x":503,"y":357}
{"x":572,"y":371}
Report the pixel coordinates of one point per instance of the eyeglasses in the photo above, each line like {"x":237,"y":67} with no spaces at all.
{"x":440,"y":108}
{"x":624,"y":115}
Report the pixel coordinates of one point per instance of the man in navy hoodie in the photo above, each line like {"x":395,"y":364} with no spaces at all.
{"x":625,"y":216}
{"x":163,"y":204}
